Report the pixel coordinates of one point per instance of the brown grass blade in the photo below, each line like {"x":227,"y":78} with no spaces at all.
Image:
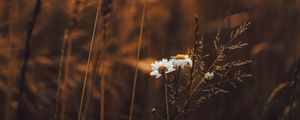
{"x":136,"y":66}
{"x":88,"y":61}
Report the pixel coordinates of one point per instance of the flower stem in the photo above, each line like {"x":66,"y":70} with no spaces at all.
{"x":176,"y":87}
{"x":166,"y":96}
{"x":136,"y":65}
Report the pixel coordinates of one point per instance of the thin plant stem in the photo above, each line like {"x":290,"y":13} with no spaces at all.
{"x":176,"y":87}
{"x":136,"y":66}
{"x":100,"y":63}
{"x":293,"y":88}
{"x":26,"y":57}
{"x":64,"y":92}
{"x":60,"y":76}
{"x":64,"y":65}
{"x":105,"y":13}
{"x":193,"y":65}
{"x":166,"y":96}
{"x":88,"y":61}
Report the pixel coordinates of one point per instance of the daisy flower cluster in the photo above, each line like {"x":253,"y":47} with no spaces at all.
{"x":165,"y":66}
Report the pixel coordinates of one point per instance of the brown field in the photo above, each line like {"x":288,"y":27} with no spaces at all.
{"x":91,"y":59}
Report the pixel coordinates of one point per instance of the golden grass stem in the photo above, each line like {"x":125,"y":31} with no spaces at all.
{"x":137,"y":58}
{"x":60,"y":75}
{"x":66,"y":50}
{"x":66,"y":77}
{"x":88,"y":61}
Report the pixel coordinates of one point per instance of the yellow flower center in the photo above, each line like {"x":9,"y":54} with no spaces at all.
{"x":180,"y":56}
{"x":162,"y":69}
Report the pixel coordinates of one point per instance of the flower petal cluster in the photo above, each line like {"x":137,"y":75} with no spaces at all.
{"x":181,"y":60}
{"x":209,"y":75}
{"x":161,"y":67}
{"x":165,"y":66}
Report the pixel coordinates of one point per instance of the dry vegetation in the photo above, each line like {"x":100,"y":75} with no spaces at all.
{"x":91,"y":59}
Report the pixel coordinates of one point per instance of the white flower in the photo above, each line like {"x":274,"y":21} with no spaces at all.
{"x":182,"y":60}
{"x":209,"y":75}
{"x":161,"y":67}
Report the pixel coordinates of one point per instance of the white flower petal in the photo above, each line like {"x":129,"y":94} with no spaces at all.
{"x":209,"y":75}
{"x":190,"y":62}
{"x":154,"y":73}
{"x":182,"y":62}
{"x":154,"y":67}
{"x":157,"y":64}
{"x":171,"y":70}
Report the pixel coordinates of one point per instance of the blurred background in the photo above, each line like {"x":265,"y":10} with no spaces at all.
{"x":64,"y":28}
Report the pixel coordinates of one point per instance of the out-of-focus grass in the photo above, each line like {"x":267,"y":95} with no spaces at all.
{"x":273,"y":41}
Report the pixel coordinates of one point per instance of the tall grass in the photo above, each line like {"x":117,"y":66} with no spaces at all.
{"x":197,"y":45}
{"x":137,"y":62}
{"x":27,"y":52}
{"x":88,"y":61}
{"x":106,"y":8}
{"x":64,"y":64}
{"x":57,"y":60}
{"x":293,"y":84}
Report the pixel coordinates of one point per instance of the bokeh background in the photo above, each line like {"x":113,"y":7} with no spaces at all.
{"x":273,"y":37}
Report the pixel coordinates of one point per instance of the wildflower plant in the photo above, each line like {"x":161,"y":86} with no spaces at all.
{"x":161,"y":67}
{"x":190,"y":80}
